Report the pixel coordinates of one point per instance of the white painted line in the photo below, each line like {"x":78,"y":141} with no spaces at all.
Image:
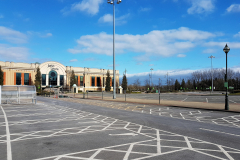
{"x":188,"y":143}
{"x":9,"y":148}
{"x":158,"y":143}
{"x":225,"y":152}
{"x":126,"y":125}
{"x":124,"y":134}
{"x":95,"y":154}
{"x":185,"y":99}
{"x":128,"y":152}
{"x":139,"y":130}
{"x":219,"y":132}
{"x":232,"y":101}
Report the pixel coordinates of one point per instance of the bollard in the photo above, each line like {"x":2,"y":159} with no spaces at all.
{"x":83,"y":95}
{"x":102,"y":94}
{"x":87,"y":94}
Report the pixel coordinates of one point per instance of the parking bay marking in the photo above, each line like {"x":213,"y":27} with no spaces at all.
{"x":124,"y":134}
{"x":219,"y":132}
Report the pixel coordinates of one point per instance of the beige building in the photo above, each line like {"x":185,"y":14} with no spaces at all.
{"x":56,"y":74}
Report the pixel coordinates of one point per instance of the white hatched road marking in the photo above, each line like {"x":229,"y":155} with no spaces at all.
{"x":9,"y":148}
{"x":136,"y":129}
{"x":185,"y":99}
{"x":219,"y":132}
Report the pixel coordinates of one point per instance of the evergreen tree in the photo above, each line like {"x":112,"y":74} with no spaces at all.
{"x":72,"y":79}
{"x":108,"y":87}
{"x":177,"y":85}
{"x":38,"y":79}
{"x":1,"y":76}
{"x":183,"y":84}
{"x":124,"y":82}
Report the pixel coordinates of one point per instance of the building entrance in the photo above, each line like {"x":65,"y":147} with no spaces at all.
{"x":53,"y":78}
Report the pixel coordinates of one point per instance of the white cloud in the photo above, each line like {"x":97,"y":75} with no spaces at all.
{"x":209,"y":51}
{"x":151,"y":65}
{"x":234,"y":8}
{"x":73,"y":60}
{"x":181,"y":55}
{"x":12,"y":36}
{"x":201,"y":6}
{"x":89,"y":6}
{"x":235,"y":45}
{"x":163,"y":73}
{"x":10,"y":53}
{"x":157,"y":43}
{"x":108,"y":18}
{"x":237,"y":35}
{"x":1,"y":16}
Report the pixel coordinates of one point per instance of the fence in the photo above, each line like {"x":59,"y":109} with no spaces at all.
{"x":17,"y":94}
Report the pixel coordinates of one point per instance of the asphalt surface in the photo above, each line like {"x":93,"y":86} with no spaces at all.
{"x":206,"y":98}
{"x":87,"y":129}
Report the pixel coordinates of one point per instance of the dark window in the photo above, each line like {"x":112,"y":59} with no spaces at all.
{"x":53,"y":78}
{"x":81,"y":80}
{"x":61,"y":80}
{"x":44,"y":79}
{"x":93,"y":81}
{"x":103,"y":81}
{"x":98,"y":82}
{"x":76,"y":80}
{"x":26,"y":78}
{"x":18,"y":79}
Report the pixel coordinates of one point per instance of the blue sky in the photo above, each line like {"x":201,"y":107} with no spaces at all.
{"x":175,"y":36}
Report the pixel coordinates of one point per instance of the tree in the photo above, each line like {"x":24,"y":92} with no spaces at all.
{"x":147,"y":84}
{"x":177,"y":85}
{"x":137,"y":84}
{"x":108,"y":87}
{"x":72,"y":79}
{"x":38,"y":79}
{"x":183,"y":84}
{"x":1,"y":76}
{"x":124,"y":82}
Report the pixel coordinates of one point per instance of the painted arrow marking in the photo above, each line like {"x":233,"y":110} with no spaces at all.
{"x":124,"y":134}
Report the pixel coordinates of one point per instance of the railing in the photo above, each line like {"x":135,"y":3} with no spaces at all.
{"x":17,"y":94}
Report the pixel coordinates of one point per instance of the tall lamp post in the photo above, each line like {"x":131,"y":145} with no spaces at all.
{"x":151,"y":76}
{"x":211,"y":70}
{"x":226,"y":49}
{"x":114,"y":74}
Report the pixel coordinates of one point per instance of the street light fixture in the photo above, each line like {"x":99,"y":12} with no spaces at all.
{"x":211,"y":70}
{"x":226,"y":49}
{"x":114,"y":74}
{"x":151,"y":75}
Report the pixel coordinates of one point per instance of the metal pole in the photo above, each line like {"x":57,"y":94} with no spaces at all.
{"x":114,"y":76}
{"x":159,"y":95}
{"x":226,"y":98}
{"x":102,"y":94}
{"x":125,"y":95}
{"x":212,"y":75}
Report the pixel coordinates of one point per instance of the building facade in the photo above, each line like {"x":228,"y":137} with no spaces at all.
{"x":56,"y":74}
